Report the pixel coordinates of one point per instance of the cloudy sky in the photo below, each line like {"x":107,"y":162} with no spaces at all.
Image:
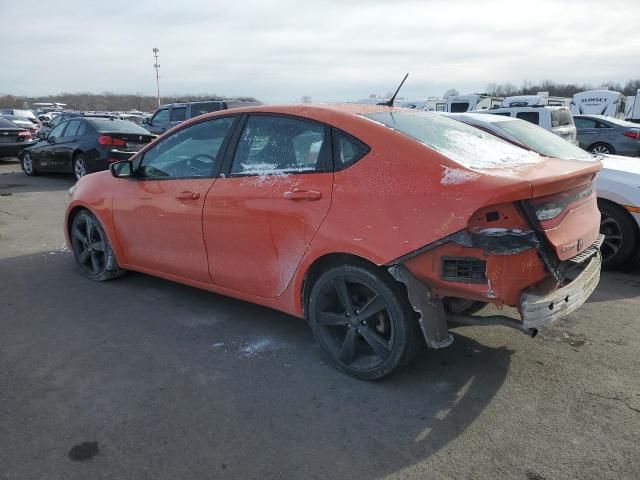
{"x":331,"y":50}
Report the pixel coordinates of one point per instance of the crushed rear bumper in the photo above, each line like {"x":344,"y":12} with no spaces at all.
{"x":538,"y":311}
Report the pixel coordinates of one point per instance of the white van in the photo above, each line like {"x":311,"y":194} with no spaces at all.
{"x":467,"y":103}
{"x":539,"y":99}
{"x":599,"y":102}
{"x":431,"y":104}
{"x":557,"y":120}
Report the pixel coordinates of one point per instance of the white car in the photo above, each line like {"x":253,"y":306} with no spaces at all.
{"x":557,"y":120}
{"x":617,"y":184}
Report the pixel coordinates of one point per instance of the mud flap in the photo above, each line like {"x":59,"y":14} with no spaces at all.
{"x":431,"y":314}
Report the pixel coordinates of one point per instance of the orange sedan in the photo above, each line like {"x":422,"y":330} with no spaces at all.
{"x":380,"y":226}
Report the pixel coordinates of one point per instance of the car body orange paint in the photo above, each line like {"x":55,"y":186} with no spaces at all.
{"x":241,"y":237}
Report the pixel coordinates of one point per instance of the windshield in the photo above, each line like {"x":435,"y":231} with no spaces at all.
{"x":468,"y":146}
{"x":541,"y":140}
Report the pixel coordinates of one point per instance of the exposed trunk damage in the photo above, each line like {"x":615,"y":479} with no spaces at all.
{"x":539,"y":305}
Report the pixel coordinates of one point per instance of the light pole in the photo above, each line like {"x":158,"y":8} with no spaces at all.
{"x":157,"y":66}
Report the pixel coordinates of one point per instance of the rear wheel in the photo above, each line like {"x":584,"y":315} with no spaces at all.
{"x":603,"y":148}
{"x":91,"y":248}
{"x":363,"y":321}
{"x":79,"y":166}
{"x":27,"y":164}
{"x":619,"y":232}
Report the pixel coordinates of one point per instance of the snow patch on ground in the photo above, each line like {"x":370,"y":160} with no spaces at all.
{"x":258,"y":346}
{"x":456,"y":176}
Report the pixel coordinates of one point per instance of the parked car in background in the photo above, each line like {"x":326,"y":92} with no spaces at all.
{"x":301,"y":208}
{"x":557,"y":120}
{"x":82,"y":145}
{"x":23,"y":122}
{"x":13,"y":138}
{"x":20,"y":113}
{"x":600,"y":134}
{"x":56,"y":120}
{"x":617,"y":184}
{"x":170,"y":115}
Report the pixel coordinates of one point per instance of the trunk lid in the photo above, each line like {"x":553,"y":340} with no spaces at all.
{"x":133,"y":141}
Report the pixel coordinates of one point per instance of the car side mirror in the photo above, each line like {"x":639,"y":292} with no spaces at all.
{"x":122,"y":169}
{"x":146,"y":121}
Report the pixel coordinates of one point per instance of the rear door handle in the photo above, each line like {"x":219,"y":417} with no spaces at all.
{"x":188,"y":196}
{"x":302,"y":195}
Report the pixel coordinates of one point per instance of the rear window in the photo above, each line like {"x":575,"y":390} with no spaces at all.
{"x":4,"y":123}
{"x":459,"y":107}
{"x":466,"y":145}
{"x":563,"y":117}
{"x":103,"y":125}
{"x":531,"y":117}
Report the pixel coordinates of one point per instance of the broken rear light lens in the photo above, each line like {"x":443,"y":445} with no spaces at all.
{"x":551,"y":210}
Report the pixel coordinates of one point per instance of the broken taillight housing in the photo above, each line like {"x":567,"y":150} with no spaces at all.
{"x":552,"y":209}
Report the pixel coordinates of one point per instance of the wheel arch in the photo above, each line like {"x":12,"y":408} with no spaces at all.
{"x":322,"y":264}
{"x":619,"y":207}
{"x":606,"y":144}
{"x":75,"y":209}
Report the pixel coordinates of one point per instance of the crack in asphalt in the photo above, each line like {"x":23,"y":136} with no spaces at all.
{"x":616,"y":398}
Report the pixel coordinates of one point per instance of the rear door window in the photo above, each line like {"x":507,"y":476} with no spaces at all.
{"x":585,"y":123}
{"x":531,"y":117}
{"x":72,"y":128}
{"x":178,"y":114}
{"x":272,"y":145}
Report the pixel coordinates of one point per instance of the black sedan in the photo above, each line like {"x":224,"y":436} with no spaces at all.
{"x":83,"y":145}
{"x":13,"y":138}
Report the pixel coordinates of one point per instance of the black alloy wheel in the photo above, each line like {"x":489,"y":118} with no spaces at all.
{"x":91,"y":248}
{"x":363,"y":321}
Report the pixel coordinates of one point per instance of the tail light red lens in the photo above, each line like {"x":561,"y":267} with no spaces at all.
{"x":108,"y":140}
{"x":551,"y":210}
{"x":635,"y":134}
{"x":24,"y":135}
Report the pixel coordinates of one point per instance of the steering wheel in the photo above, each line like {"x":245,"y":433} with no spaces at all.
{"x":200,"y":167}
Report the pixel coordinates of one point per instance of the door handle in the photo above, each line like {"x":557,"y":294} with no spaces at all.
{"x":302,"y":195}
{"x":188,"y":196}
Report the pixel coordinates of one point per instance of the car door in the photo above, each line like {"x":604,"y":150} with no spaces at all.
{"x":43,"y":154}
{"x":261,"y":216}
{"x":158,"y":212}
{"x":66,"y":145}
{"x":159,"y":122}
{"x":588,"y":132}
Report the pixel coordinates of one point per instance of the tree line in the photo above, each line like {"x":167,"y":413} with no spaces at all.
{"x":107,"y":101}
{"x":558,"y":89}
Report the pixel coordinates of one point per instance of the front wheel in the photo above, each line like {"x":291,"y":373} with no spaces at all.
{"x":91,"y":248}
{"x":619,"y":232}
{"x":363,"y":321}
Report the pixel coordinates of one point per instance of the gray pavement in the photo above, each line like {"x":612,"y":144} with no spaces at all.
{"x":177,"y":383}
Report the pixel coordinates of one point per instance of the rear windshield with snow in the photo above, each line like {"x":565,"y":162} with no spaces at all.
{"x":466,"y":145}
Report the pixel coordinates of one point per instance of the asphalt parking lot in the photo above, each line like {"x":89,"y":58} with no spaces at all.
{"x":153,"y":380}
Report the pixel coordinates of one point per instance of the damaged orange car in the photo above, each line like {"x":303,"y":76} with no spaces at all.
{"x":380,"y":226}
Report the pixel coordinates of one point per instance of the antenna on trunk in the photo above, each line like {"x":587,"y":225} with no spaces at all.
{"x":389,"y":103}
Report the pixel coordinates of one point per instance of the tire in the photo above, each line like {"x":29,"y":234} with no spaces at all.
{"x":91,"y":248}
{"x":620,"y":234}
{"x":26,"y":163}
{"x":601,"y":147}
{"x":79,"y":166}
{"x":363,"y":321}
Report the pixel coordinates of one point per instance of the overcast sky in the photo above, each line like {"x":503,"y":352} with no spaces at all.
{"x":330,"y":50}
